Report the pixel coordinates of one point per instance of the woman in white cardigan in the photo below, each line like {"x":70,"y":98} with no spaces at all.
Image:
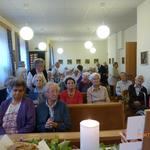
{"x":113,"y":76}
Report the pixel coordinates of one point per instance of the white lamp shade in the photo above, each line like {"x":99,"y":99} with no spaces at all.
{"x":103,"y":32}
{"x":88,"y":44}
{"x":60,"y":50}
{"x":93,"y":50}
{"x":42,"y":46}
{"x":26,"y":33}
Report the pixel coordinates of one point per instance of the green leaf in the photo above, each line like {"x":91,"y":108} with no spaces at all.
{"x":63,"y":145}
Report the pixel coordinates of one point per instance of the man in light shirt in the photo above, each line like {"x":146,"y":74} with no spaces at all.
{"x":122,"y":85}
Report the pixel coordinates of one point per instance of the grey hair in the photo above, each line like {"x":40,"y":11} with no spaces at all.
{"x":37,"y":62}
{"x":57,"y":63}
{"x":124,"y":73}
{"x":138,"y":76}
{"x":97,"y":64}
{"x":7,"y":79}
{"x":48,"y":85}
{"x":21,"y":63}
{"x":115,"y":63}
{"x":35,"y":76}
{"x":66,"y":72}
{"x":86,"y":74}
{"x":66,"y":78}
{"x":93,"y":75}
{"x":90,"y":69}
{"x":75,"y":69}
{"x":17,"y":82}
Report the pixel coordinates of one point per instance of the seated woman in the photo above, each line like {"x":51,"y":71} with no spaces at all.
{"x":17,"y":114}
{"x":96,"y":93}
{"x":85,"y":83}
{"x":75,"y":75}
{"x":52,"y":114}
{"x":71,"y":95}
{"x":37,"y":94}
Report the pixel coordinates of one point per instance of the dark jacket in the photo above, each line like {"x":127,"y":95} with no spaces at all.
{"x":102,"y":72}
{"x":26,"y":118}
{"x":61,"y":116}
{"x":80,"y":86}
{"x":133,"y":97}
{"x":3,"y":95}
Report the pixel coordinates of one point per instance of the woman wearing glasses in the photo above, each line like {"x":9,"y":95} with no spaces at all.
{"x":52,"y":114}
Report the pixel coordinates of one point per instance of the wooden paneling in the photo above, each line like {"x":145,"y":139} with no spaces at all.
{"x":131,"y":60}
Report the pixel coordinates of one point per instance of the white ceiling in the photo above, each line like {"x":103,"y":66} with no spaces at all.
{"x":70,"y":20}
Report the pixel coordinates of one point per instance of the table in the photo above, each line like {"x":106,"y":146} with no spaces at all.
{"x":107,"y":137}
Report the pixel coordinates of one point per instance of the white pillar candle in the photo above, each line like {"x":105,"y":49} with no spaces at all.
{"x":89,"y":135}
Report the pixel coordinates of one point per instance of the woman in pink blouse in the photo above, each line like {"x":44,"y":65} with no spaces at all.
{"x":71,"y":95}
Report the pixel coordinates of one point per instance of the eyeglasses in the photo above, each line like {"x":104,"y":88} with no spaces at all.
{"x":52,"y":92}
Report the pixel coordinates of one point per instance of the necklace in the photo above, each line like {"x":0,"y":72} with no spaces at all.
{"x":71,"y":95}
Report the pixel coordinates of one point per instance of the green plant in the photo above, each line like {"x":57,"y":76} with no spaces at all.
{"x":111,"y":147}
{"x":126,"y":103}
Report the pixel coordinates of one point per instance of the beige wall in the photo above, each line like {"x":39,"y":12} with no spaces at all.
{"x":143,"y":40}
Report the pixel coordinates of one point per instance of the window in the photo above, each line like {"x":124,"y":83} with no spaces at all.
{"x":5,"y":62}
{"x":23,"y":54}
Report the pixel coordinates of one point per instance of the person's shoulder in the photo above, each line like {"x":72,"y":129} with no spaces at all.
{"x":130,"y":82}
{"x":41,"y":104}
{"x":89,"y":89}
{"x":3,"y":91}
{"x":131,"y":86}
{"x":61,"y":103}
{"x":78,"y":92}
{"x":64,"y":92}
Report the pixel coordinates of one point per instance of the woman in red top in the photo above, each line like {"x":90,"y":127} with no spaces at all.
{"x":71,"y":95}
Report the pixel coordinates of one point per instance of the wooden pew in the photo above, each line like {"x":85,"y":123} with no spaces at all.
{"x":110,"y":115}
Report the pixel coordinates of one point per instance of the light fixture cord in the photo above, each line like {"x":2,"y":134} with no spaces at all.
{"x":102,"y":15}
{"x":26,"y":17}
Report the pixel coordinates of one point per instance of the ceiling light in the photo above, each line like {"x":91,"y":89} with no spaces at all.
{"x":60,"y":50}
{"x":103,"y":31}
{"x":88,"y":44}
{"x":26,"y":33}
{"x":93,"y":50}
{"x":42,"y":46}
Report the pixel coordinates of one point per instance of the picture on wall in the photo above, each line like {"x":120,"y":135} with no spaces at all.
{"x":109,"y":60}
{"x":60,"y":61}
{"x":87,"y":61}
{"x":95,"y":61}
{"x":123,"y":59}
{"x":144,"y":58}
{"x":112,"y":60}
{"x":69,"y":61}
{"x":78,"y":61}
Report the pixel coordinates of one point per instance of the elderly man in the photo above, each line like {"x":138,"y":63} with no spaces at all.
{"x":122,"y":85}
{"x":55,"y":72}
{"x":96,"y":93}
{"x":102,"y":72}
{"x":21,"y":72}
{"x":137,"y":94}
{"x":6,"y":93}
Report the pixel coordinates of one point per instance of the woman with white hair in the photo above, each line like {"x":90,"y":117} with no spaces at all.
{"x":96,"y":93}
{"x":52,"y":114}
{"x":85,"y":83}
{"x":137,"y":94}
{"x":37,"y":94}
{"x":76,"y":75}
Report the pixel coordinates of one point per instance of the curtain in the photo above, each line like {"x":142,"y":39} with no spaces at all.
{"x":5,"y":61}
{"x":11,"y":51}
{"x":27,"y":55}
{"x":23,"y":55}
{"x":17,"y":45}
{"x":51,"y":56}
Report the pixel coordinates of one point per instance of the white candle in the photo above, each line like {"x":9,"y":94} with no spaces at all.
{"x":89,"y":135}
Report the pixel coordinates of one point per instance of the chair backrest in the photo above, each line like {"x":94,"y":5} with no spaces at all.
{"x":110,"y":115}
{"x":84,"y":94}
{"x":124,"y":93}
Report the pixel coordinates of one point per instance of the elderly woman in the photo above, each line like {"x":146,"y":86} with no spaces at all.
{"x":52,"y":114}
{"x":17,"y":114}
{"x":96,"y":93}
{"x":71,"y":95}
{"x":5,"y":93}
{"x":37,"y":94}
{"x":85,"y":83}
{"x":38,"y":68}
{"x":137,"y":94}
{"x":75,"y":75}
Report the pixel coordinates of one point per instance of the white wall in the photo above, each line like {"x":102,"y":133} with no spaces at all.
{"x":76,"y":50}
{"x":115,"y":43}
{"x":143,"y":40}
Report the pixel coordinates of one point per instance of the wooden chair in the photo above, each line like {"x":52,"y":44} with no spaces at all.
{"x":124,"y":93}
{"x":84,"y":94}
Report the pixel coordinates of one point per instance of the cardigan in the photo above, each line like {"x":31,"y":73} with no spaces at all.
{"x":61,"y":117}
{"x":26,"y":118}
{"x":81,"y":84}
{"x":76,"y":99}
{"x":3,"y":95}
